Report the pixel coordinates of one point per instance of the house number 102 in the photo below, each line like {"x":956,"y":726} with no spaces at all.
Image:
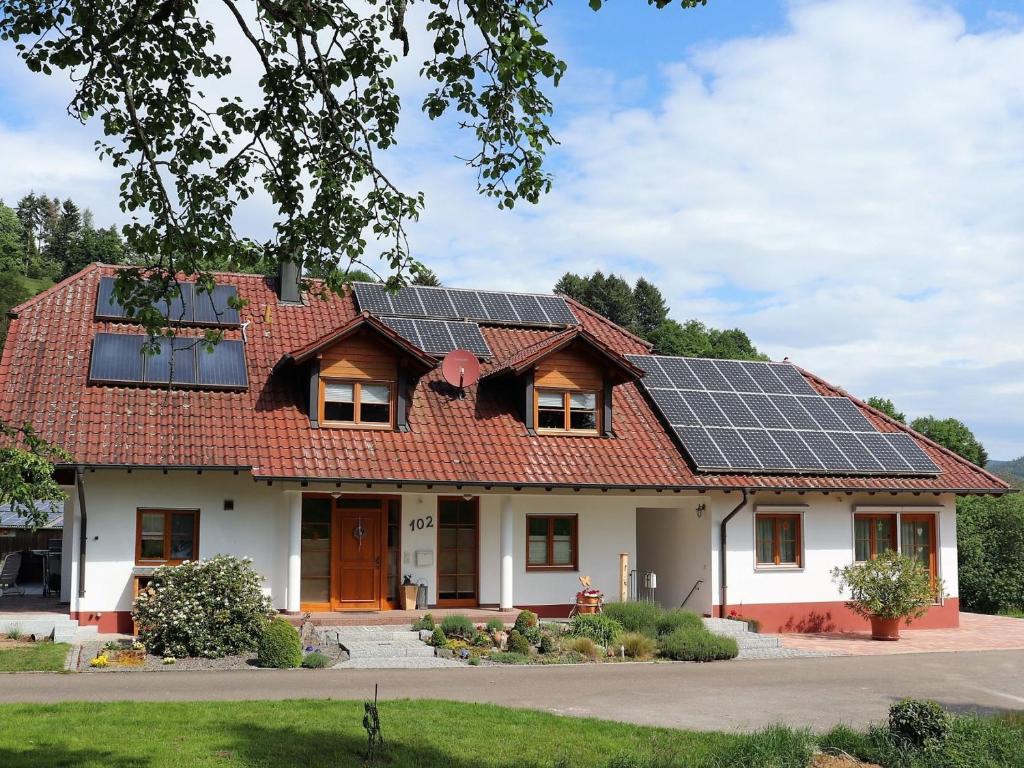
{"x":421,"y":522}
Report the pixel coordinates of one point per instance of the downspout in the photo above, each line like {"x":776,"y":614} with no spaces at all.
{"x":722,"y":549}
{"x":80,"y":483}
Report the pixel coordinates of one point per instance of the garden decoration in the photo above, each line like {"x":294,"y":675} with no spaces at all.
{"x":887,"y":590}
{"x":371,"y":722}
{"x":589,"y":599}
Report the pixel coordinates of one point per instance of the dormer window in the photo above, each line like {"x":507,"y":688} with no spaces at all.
{"x":560,"y":410}
{"x":356,"y":403}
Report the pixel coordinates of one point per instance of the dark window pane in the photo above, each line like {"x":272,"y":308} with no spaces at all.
{"x":563,"y":526}
{"x":538,"y":526}
{"x":551,"y":419}
{"x":583,"y":420}
{"x":375,"y":414}
{"x":339,"y":412}
{"x":152,"y":549}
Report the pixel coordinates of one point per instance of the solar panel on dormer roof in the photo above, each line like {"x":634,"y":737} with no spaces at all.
{"x":417,"y":301}
{"x":439,"y":337}
{"x":733,"y":415}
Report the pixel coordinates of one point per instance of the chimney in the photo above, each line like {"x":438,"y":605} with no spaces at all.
{"x":288,"y":276}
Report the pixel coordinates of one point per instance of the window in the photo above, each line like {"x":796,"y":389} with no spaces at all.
{"x":551,"y":542}
{"x":566,"y":411}
{"x":873,"y":535}
{"x":364,"y":403}
{"x":917,"y":540}
{"x":315,"y":564}
{"x":166,"y":536}
{"x":778,"y":540}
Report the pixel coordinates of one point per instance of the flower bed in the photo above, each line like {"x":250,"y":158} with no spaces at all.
{"x":624,"y":632}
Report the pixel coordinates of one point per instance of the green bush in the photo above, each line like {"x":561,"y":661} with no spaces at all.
{"x":583,"y":646}
{"x":279,"y":647}
{"x":207,"y":608}
{"x":517,"y":642}
{"x":636,"y":645}
{"x":679,"y":619}
{"x":482,"y":640}
{"x":424,"y":622}
{"x":438,"y":638}
{"x":526,"y":620}
{"x":316,"y":660}
{"x":547,"y":643}
{"x":641,"y":616}
{"x":495,"y":625}
{"x":697,"y":645}
{"x":918,"y":722}
{"x":598,"y":627}
{"x":457,"y":625}
{"x":473,"y":661}
{"x":892,"y":586}
{"x":990,"y":548}
{"x":502,"y":657}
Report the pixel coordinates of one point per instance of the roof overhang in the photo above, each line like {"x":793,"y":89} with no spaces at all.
{"x":525,"y":359}
{"x":364,"y":321}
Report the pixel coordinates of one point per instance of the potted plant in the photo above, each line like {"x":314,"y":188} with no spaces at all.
{"x":588,"y":599}
{"x":409,"y":590}
{"x":887,"y":590}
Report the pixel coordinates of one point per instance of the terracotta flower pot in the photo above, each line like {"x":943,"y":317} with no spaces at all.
{"x":588,"y":604}
{"x":885,"y":629}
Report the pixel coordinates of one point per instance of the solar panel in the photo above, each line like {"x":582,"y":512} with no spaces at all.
{"x":117,"y":357}
{"x":186,"y":306}
{"x":222,"y":367}
{"x":440,"y":337}
{"x":215,"y":308}
{"x":734,"y":415}
{"x":459,"y":304}
{"x":159,"y":367}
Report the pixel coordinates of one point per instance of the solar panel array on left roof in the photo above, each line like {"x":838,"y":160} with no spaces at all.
{"x":190,"y":307}
{"x":117,"y":358}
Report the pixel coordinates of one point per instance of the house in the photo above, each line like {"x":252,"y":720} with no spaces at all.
{"x":321,"y":439}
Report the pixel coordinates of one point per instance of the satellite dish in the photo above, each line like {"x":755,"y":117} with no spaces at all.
{"x":460,"y":368}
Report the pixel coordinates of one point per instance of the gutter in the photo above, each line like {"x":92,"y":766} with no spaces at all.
{"x":80,"y":483}
{"x":723,"y":549}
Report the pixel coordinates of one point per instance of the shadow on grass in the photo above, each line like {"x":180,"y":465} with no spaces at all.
{"x":56,"y":756}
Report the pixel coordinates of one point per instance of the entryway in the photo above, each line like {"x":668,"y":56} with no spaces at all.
{"x":351,"y":552}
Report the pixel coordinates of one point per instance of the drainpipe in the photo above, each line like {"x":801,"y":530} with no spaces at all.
{"x":80,"y":483}
{"x":722,"y":549}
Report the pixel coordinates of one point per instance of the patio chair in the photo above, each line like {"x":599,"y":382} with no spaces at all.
{"x":9,"y":574}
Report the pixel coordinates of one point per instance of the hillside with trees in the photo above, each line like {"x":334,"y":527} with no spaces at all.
{"x":641,"y":309}
{"x":1011,"y":471}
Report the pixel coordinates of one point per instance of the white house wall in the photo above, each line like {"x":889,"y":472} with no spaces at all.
{"x":676,"y":545}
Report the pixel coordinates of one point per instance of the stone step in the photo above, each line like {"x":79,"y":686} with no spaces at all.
{"x":366,"y":634}
{"x":387,"y":650}
{"x":745,"y":640}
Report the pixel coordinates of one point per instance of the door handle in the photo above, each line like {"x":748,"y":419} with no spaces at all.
{"x":376,"y":561}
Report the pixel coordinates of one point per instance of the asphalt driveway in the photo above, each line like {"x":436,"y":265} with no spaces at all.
{"x":814,"y":692}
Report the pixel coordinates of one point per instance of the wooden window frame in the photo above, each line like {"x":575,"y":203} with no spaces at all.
{"x":574,"y":541}
{"x":777,"y":563}
{"x":168,"y":514}
{"x":357,"y":405}
{"x":872,"y":539}
{"x":933,"y":519}
{"x":567,"y":421}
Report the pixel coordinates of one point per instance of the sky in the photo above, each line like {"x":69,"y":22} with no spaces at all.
{"x":842,"y":179}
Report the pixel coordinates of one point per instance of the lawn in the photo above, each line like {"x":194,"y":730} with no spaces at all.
{"x":34,"y":657}
{"x":417,"y":734}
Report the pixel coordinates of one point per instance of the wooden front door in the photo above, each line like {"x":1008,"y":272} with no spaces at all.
{"x":359,"y":554}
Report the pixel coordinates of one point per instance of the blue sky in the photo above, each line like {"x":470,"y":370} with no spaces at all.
{"x":839,"y":178}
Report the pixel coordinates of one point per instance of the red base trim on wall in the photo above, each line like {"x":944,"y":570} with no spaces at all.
{"x":834,"y":616}
{"x":554,"y":611}
{"x":106,"y":621}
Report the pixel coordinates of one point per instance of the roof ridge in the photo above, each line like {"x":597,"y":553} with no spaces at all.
{"x":60,"y":285}
{"x":901,"y":426}
{"x":610,"y":323}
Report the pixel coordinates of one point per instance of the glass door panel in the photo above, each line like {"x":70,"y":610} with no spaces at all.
{"x":917,"y":540}
{"x":315,"y":587}
{"x":457,"y":549}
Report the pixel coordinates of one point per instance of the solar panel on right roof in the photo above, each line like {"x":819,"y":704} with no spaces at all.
{"x":557,"y":310}
{"x":527,"y":308}
{"x":439,"y":337}
{"x":753,"y":416}
{"x":498,"y":307}
{"x":373,"y":298}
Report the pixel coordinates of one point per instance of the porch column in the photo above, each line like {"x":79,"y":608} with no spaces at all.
{"x":292,"y":603}
{"x":69,"y":537}
{"x":507,"y":547}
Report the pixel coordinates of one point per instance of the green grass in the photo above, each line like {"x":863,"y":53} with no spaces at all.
{"x":417,"y":734}
{"x":1013,"y":613}
{"x":36,"y":284}
{"x":40,"y":657}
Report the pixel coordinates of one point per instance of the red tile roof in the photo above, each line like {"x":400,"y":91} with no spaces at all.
{"x":266,"y":430}
{"x":525,"y":358}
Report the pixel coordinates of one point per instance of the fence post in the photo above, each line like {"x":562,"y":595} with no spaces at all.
{"x":623,"y":576}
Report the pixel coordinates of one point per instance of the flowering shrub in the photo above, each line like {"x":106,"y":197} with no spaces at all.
{"x":207,"y":608}
{"x":100,"y":661}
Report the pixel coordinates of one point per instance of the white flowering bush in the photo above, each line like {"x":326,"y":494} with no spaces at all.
{"x":207,"y":608}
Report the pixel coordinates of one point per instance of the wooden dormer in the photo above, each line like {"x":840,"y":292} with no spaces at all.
{"x":360,"y":375}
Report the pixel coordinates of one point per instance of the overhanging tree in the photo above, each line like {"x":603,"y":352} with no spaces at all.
{"x":26,"y":472}
{"x":327,"y":107}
